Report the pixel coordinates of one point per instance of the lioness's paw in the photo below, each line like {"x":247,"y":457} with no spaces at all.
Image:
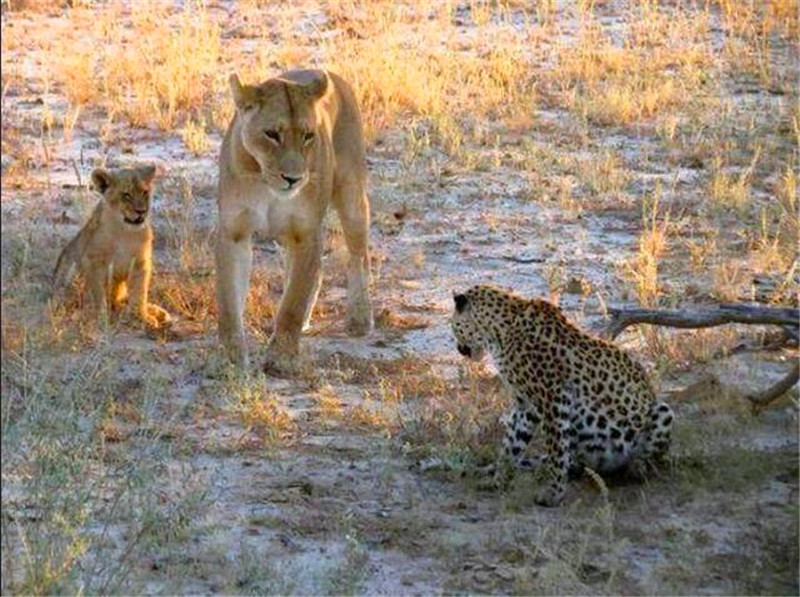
{"x":359,"y":321}
{"x":282,"y":359}
{"x":279,"y":366}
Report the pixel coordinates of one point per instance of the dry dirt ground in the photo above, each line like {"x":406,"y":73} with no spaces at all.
{"x":140,"y":462}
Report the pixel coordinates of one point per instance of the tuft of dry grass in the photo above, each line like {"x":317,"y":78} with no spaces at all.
{"x":194,"y":136}
{"x":642,"y":269}
{"x":394,"y":79}
{"x":458,"y":423}
{"x":261,"y":413}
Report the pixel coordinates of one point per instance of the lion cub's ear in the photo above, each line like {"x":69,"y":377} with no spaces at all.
{"x":244,"y":96}
{"x":146,"y":175}
{"x":101,"y":179}
{"x":317,"y":87}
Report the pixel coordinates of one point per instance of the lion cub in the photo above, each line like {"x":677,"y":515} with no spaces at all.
{"x":113,"y":251}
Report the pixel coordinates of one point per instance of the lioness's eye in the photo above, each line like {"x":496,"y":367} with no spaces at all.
{"x":308,"y":137}
{"x":273,"y":135}
{"x":126,"y":197}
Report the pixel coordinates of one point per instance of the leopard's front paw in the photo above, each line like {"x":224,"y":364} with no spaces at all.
{"x":550,"y":496}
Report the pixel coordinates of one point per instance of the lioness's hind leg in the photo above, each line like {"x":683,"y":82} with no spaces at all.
{"x":351,"y":203}
{"x":311,"y":301}
{"x":119,"y":293}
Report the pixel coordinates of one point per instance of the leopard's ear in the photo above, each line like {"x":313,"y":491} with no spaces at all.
{"x":461,"y":302}
{"x":101,"y":179}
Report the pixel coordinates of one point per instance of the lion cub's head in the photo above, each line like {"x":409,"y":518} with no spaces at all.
{"x":279,"y":126}
{"x":127,"y":191}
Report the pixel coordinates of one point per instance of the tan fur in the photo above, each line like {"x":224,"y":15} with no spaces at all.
{"x":305,"y":126}
{"x":115,"y":255}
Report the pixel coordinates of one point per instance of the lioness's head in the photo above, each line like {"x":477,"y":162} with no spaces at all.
{"x":279,"y":126}
{"x":127,"y":191}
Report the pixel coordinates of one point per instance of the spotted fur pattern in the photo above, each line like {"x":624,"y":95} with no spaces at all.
{"x":593,"y":403}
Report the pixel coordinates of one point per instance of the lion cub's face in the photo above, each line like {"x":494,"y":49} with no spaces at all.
{"x":127,"y":192}
{"x":279,"y":128}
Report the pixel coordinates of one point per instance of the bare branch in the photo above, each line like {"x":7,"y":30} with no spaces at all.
{"x":761,"y":400}
{"x":621,"y":319}
{"x":516,"y":259}
{"x":788,"y":319}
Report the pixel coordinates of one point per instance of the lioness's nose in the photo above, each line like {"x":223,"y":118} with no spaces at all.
{"x":291,"y":180}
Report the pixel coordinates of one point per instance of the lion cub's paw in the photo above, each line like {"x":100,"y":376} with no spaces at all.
{"x":156,"y":317}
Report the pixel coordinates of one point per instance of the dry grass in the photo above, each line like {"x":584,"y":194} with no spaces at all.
{"x":643,"y":268}
{"x":260,"y":411}
{"x":661,"y":63}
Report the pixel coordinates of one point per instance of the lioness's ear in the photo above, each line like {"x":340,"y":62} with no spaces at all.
{"x":101,"y":180}
{"x":146,"y":176}
{"x":244,"y":96}
{"x":316,"y":88}
{"x":461,"y":301}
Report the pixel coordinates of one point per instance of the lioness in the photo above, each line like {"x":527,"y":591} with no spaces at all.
{"x":294,"y":145}
{"x":114,"y":248}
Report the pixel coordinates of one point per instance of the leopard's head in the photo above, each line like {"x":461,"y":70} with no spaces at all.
{"x":470,"y":340}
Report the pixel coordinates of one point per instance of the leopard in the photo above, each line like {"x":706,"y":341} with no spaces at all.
{"x":294,"y":147}
{"x":113,"y":251}
{"x":592,"y":403}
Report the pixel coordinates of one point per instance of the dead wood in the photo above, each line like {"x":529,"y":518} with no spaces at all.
{"x":516,"y":259}
{"x":621,"y":319}
{"x":787,"y":318}
{"x":761,"y":400}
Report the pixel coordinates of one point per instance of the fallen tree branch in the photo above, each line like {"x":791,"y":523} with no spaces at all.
{"x":787,"y":318}
{"x":516,"y":259}
{"x":621,"y":319}
{"x":761,"y":400}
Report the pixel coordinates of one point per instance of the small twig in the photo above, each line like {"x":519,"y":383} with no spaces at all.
{"x":77,"y":173}
{"x":761,"y":400}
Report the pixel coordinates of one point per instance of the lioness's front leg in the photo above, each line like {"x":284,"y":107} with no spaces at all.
{"x":302,"y":283}
{"x":234,"y":259}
